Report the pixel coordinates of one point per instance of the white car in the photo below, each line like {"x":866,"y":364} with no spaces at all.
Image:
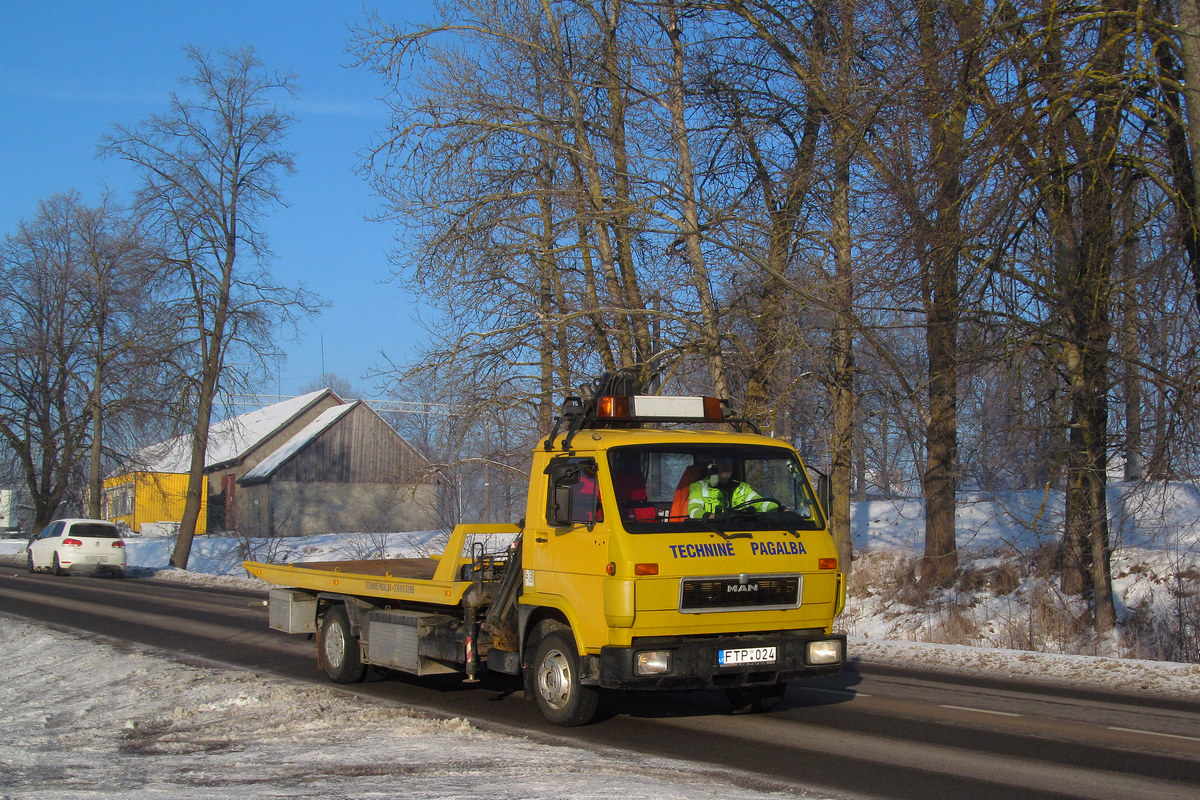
{"x":78,"y":545}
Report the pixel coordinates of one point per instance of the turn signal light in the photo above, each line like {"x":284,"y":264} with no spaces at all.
{"x":72,"y":543}
{"x":645,"y":569}
{"x":827,"y":563}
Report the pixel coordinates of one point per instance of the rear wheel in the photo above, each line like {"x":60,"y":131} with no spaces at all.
{"x":562,"y":699}
{"x":57,"y":568}
{"x":753,"y":699}
{"x":339,"y":648}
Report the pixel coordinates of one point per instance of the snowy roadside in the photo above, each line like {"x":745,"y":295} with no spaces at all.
{"x":82,"y":719}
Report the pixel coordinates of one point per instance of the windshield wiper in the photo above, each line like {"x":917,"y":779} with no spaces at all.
{"x":719,"y":531}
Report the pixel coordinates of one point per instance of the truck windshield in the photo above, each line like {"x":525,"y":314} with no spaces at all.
{"x":669,"y":488}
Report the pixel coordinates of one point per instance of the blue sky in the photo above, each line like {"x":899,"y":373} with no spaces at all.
{"x":70,"y":70}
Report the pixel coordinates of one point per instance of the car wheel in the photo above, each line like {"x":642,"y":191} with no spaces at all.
{"x":561,"y":698}
{"x":30,"y":565}
{"x":339,"y":648}
{"x":753,"y":699}
{"x":57,"y":568}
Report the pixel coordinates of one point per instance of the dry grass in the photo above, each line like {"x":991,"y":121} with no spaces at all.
{"x":1011,"y":600}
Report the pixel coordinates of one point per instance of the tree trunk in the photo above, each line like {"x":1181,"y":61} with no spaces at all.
{"x":842,"y":353}
{"x":1131,"y":352}
{"x":1189,"y":49}
{"x":710,"y":336}
{"x":95,"y":477}
{"x":947,"y":122}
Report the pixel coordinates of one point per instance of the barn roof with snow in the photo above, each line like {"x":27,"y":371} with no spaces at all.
{"x":267,"y":467}
{"x":230,"y":440}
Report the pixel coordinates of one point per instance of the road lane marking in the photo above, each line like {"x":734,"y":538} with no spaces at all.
{"x":1154,"y":733}
{"x":980,"y":710}
{"x":843,"y":692}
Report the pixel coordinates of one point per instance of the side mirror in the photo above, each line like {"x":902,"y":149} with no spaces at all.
{"x":560,"y":505}
{"x":824,"y":493}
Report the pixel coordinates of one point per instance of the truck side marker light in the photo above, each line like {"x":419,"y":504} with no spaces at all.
{"x":645,"y":569}
{"x":611,"y":569}
{"x":827,"y":563}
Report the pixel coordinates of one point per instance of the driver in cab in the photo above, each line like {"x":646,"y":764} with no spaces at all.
{"x":718,"y":492}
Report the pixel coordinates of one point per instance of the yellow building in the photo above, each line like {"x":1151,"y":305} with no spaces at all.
{"x":140,"y":499}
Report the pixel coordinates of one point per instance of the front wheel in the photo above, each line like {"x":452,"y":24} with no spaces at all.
{"x":339,"y":648}
{"x":30,"y":565}
{"x":562,"y":699}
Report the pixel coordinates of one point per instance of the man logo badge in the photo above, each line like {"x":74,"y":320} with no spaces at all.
{"x":743,"y":585}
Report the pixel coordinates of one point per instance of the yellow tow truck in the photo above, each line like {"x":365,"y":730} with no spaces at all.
{"x":653,"y":556}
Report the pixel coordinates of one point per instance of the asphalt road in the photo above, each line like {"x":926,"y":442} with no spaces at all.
{"x":870,"y":731}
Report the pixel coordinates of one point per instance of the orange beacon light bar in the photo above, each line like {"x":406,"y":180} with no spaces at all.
{"x":652,"y":407}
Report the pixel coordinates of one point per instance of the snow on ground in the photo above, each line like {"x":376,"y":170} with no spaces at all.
{"x":84,"y":719}
{"x":81,"y":718}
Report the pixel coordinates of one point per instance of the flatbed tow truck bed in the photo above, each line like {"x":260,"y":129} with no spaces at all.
{"x":414,"y":580}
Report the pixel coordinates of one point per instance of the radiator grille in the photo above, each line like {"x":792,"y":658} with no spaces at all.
{"x":734,"y":592}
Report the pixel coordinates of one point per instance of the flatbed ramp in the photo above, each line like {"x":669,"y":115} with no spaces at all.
{"x":401,"y":579}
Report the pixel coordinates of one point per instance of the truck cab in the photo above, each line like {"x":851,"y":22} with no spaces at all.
{"x":674,"y":558}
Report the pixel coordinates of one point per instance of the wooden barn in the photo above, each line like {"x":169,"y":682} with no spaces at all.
{"x":148,"y":494}
{"x":347,"y":471}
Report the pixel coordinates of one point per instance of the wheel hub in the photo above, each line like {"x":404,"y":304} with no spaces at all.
{"x":554,"y":679}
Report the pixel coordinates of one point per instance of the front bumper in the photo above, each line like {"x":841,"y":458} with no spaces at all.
{"x":693,"y":661}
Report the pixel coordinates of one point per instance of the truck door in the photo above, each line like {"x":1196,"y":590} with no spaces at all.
{"x":570,"y":549}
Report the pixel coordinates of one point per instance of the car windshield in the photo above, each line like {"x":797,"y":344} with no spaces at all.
{"x":95,"y":530}
{"x":661,"y":488}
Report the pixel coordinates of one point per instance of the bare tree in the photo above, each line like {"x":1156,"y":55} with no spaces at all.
{"x":210,"y":168}
{"x":130,"y":334}
{"x":69,"y":346}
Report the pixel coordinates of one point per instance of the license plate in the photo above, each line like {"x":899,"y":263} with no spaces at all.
{"x":745,"y":655}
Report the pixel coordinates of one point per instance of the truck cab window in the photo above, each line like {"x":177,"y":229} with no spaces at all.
{"x":744,"y":487}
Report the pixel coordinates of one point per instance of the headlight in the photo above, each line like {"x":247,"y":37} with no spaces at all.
{"x":652,"y":662}
{"x":825,"y":652}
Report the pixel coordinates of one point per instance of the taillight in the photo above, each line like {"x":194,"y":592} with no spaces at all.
{"x":118,"y":543}
{"x":72,"y":543}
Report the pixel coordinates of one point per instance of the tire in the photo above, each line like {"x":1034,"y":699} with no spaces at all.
{"x":30,"y":565}
{"x":561,"y":698}
{"x":339,"y":648}
{"x":755,"y":699}
{"x":57,"y":568}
